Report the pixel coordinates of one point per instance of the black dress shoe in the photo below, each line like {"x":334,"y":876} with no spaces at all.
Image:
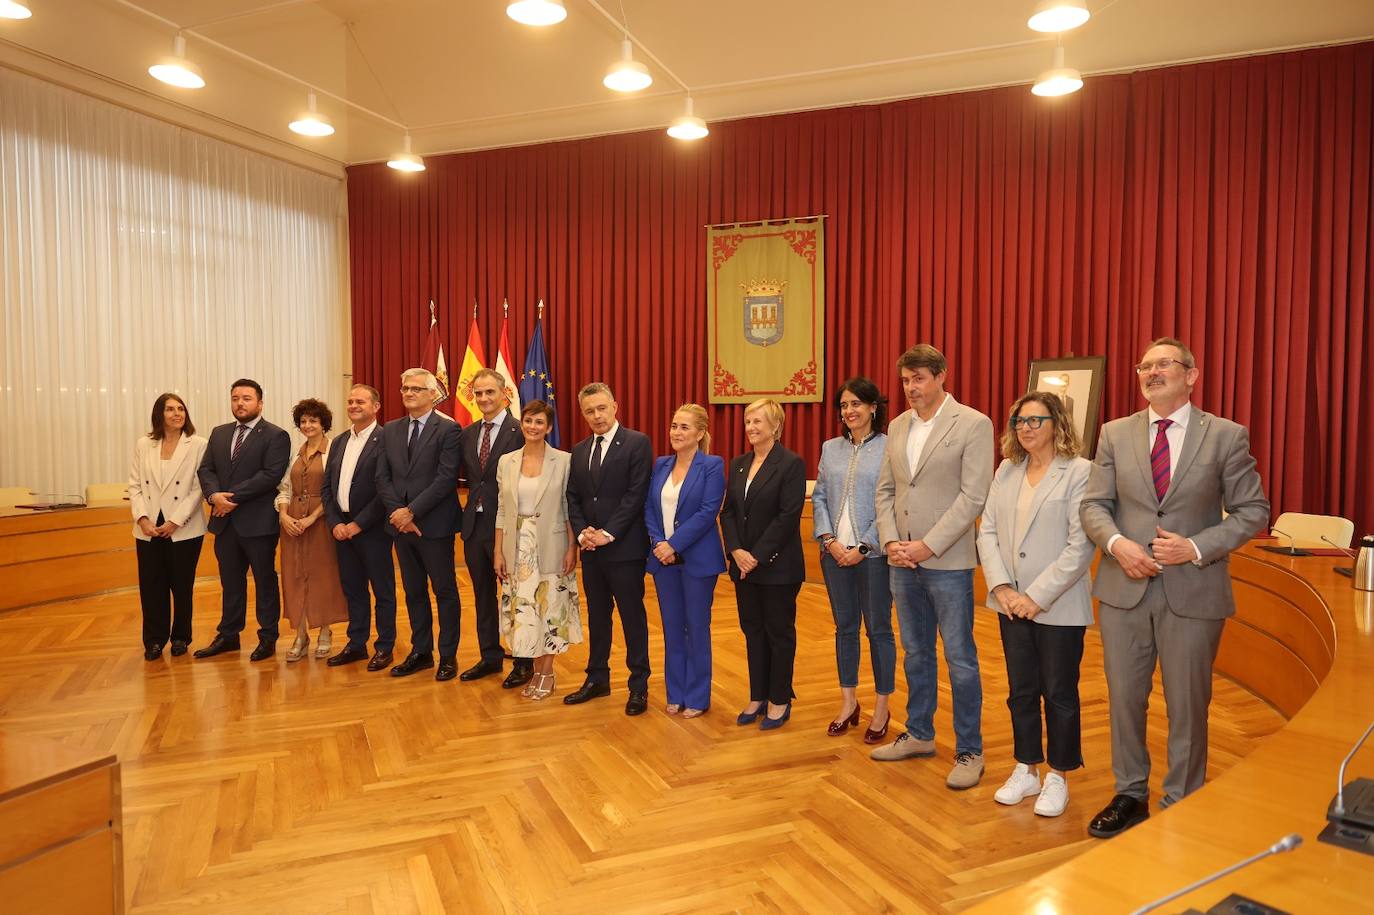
{"x":379,"y":660}
{"x":479,"y":670}
{"x":637,"y":703}
{"x":448,"y":669}
{"x":519,"y":675}
{"x":266,"y":648}
{"x":347,"y":656}
{"x":413,"y":662}
{"x":218,"y":645}
{"x":152,"y":652}
{"x":178,"y":648}
{"x":1120,"y":815}
{"x":586,"y":692}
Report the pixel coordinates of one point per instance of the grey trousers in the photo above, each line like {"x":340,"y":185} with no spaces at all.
{"x":1132,"y":640}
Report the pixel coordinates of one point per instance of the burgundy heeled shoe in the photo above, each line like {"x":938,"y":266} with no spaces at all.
{"x":836,"y":728}
{"x":872,"y":736}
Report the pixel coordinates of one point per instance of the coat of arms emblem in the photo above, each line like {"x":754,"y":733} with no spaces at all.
{"x":763,"y":311}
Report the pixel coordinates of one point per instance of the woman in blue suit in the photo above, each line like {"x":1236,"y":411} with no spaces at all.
{"x":685,"y":492}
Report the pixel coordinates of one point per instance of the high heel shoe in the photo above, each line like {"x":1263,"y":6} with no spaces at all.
{"x":877,"y":736}
{"x":324,"y":643}
{"x":772,"y":724}
{"x":544,"y":689}
{"x":750,"y":717}
{"x":299,"y":648}
{"x":837,"y":728}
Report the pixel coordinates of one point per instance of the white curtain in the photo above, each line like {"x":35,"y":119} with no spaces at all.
{"x":138,"y":258}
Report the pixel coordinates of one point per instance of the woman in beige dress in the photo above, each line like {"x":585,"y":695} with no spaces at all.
{"x":536,"y":551}
{"x":311,"y":594}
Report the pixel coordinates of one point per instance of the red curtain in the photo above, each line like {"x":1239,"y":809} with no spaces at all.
{"x":1227,"y":203}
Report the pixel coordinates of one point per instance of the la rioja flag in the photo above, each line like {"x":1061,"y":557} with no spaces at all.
{"x":433,"y":359}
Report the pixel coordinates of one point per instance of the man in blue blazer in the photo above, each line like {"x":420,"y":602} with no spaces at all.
{"x":417,"y":476}
{"x":606,"y":488}
{"x":353,"y":510}
{"x":243,"y":464}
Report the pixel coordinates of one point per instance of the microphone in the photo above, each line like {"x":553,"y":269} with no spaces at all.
{"x":1287,"y":843}
{"x":1290,"y":550}
{"x":1345,"y":551}
{"x":1352,"y":827}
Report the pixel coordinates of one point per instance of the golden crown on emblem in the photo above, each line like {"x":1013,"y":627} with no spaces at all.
{"x":763,"y":287}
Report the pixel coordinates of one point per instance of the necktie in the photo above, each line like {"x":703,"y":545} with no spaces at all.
{"x":596,"y":460}
{"x":484,"y":451}
{"x":239,"y":436}
{"x":1159,"y":459}
{"x":414,"y":436}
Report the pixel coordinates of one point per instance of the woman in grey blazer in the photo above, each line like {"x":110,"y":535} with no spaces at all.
{"x":1035,"y":558}
{"x":535,"y":551}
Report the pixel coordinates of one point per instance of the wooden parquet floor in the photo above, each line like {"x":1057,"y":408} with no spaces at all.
{"x":299,"y":788}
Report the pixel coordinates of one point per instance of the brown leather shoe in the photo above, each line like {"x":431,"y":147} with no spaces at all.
{"x":836,"y":728}
{"x":379,"y":660}
{"x":872,"y":735}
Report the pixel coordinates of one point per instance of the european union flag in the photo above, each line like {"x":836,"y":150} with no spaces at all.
{"x":536,"y":382}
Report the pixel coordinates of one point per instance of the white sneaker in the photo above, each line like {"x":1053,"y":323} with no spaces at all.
{"x":1022,"y":784}
{"x":1054,"y":797}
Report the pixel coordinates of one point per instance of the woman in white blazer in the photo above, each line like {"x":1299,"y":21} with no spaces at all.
{"x":169,"y":524}
{"x":535,"y":551}
{"x":1035,"y":559}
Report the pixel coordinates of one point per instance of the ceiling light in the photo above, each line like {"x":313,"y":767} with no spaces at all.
{"x":177,"y":70}
{"x":9,"y":9}
{"x":689,"y":126}
{"x":1059,"y":80}
{"x":311,"y":123}
{"x":406,"y":161}
{"x":1058,"y":15}
{"x":537,"y":12}
{"x":628,"y":74}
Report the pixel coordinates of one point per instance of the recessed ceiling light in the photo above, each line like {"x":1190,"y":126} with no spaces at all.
{"x":177,"y":70}
{"x":1058,"y":15}
{"x":537,"y":12}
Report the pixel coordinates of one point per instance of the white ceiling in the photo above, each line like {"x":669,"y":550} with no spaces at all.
{"x":461,"y":75}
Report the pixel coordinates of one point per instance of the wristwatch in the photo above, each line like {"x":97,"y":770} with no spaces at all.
{"x":864,"y":549}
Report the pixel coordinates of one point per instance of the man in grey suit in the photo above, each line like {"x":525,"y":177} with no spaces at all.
{"x":935,"y":475}
{"x":1154,"y":505}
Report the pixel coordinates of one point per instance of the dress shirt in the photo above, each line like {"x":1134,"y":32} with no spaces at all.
{"x":496,"y":422}
{"x":668,"y":504}
{"x":1174,"y":436}
{"x":250,"y":424}
{"x":353,"y":449}
{"x":606,"y":438}
{"x":919,"y":434}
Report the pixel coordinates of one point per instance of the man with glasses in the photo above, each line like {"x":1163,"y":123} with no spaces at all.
{"x":1154,"y":505}
{"x":417,"y":477}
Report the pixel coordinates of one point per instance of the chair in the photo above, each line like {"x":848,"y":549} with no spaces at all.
{"x":10,"y":496}
{"x":106,"y":492}
{"x":1311,"y":529}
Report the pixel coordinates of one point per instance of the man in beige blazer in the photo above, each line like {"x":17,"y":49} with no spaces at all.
{"x":935,"y":475}
{"x":1154,"y":505}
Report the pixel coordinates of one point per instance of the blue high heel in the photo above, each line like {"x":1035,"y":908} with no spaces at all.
{"x":750,"y":717}
{"x":772,"y":724}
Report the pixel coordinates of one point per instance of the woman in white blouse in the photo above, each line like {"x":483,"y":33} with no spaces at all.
{"x":169,"y":524}
{"x":1035,"y":559}
{"x":536,"y":550}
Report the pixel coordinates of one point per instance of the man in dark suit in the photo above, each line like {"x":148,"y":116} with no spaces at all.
{"x":353,"y":510}
{"x":243,"y":464}
{"x":1172,"y":493}
{"x":417,"y":476}
{"x":483,"y":443}
{"x":607,"y":485}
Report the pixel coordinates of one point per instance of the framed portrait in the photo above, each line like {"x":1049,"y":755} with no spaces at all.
{"x":1077,"y":380}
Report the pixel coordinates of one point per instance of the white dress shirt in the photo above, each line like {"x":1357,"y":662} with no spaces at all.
{"x":920,"y":434}
{"x":353,"y":448}
{"x":496,"y":422}
{"x":606,"y":439}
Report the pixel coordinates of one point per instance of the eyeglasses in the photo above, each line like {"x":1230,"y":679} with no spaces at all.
{"x":1162,"y":364}
{"x":1030,"y":422}
{"x":412,"y":389}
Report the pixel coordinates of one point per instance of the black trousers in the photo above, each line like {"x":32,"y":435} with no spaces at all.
{"x":478,"y":555}
{"x":1042,"y":664}
{"x":428,"y":562}
{"x":366,"y":560}
{"x":237,"y":556}
{"x":768,"y":617}
{"x":612,"y":585}
{"x":166,"y":579}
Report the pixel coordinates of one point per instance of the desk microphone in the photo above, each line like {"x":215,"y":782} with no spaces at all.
{"x":1287,"y":843}
{"x":1347,"y":571}
{"x":1352,"y":826}
{"x":1290,"y":550}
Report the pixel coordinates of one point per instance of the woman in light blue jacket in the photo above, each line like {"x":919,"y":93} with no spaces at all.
{"x":1035,"y":559}
{"x":852,"y":560}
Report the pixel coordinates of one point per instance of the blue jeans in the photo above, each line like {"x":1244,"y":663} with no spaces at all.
{"x":862,"y":591}
{"x":939,"y":599}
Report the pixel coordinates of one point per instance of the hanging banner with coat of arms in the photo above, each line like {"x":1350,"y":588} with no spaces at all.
{"x":765,"y":307}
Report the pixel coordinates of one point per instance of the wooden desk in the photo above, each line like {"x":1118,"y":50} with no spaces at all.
{"x":60,"y":829}
{"x":1305,"y":638}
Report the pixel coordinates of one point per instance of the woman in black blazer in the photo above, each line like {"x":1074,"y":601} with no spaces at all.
{"x":761,"y":523}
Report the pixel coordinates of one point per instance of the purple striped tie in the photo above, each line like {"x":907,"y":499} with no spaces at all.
{"x":1159,"y":459}
{"x":238,"y":443}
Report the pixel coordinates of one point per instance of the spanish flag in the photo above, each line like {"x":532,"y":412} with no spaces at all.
{"x":464,"y":407}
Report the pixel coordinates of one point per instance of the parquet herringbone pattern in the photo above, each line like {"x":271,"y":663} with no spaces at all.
{"x":275,"y":788}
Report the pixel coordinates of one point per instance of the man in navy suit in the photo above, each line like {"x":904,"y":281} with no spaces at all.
{"x":483,"y":443}
{"x":353,"y":510}
{"x":607,"y":486}
{"x":243,"y":464}
{"x":417,"y":476}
